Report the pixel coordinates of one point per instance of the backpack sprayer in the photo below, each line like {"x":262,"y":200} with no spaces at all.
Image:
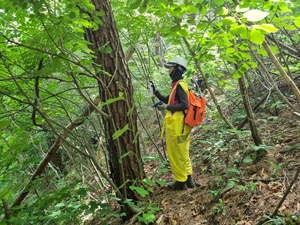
{"x":150,"y":93}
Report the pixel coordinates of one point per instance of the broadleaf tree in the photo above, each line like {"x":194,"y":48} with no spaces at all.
{"x":64,"y":79}
{"x":48,"y":74}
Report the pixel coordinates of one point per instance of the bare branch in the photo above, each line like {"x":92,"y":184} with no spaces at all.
{"x":62,"y":136}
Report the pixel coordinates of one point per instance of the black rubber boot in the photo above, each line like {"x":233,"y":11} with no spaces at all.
{"x":189,"y":182}
{"x":177,"y":185}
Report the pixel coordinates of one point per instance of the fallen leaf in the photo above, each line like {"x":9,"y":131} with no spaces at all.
{"x":165,"y":201}
{"x":173,"y":222}
{"x":243,"y":222}
{"x":278,"y":195}
{"x":158,"y":221}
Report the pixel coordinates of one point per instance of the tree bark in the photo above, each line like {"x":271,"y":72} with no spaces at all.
{"x":114,"y":78}
{"x":158,"y":49}
{"x":254,"y":131}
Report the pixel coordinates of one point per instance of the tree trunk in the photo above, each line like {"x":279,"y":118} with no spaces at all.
{"x":114,"y":78}
{"x":254,"y":131}
{"x":159,"y":49}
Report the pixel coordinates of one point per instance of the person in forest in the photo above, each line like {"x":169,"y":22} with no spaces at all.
{"x":177,"y":133}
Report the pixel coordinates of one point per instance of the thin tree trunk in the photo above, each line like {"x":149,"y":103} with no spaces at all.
{"x":287,"y":79}
{"x":158,"y":49}
{"x":6,"y":211}
{"x":271,"y":80}
{"x":240,"y":126}
{"x":254,"y":131}
{"x":294,"y":52}
{"x":129,"y":53}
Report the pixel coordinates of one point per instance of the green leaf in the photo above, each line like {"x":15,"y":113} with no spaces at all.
{"x":183,"y":33}
{"x":284,"y":7}
{"x":59,"y":205}
{"x":236,"y":75}
{"x":163,"y":170}
{"x":55,"y":214}
{"x":201,"y":26}
{"x":149,"y":182}
{"x":297,"y":21}
{"x":72,"y":15}
{"x":65,"y":216}
{"x":74,"y":206}
{"x":111,"y":100}
{"x":248,"y":159}
{"x":78,"y":29}
{"x":135,"y":5}
{"x":262,"y":52}
{"x":175,"y":28}
{"x":93,"y":206}
{"x":230,"y":50}
{"x":141,"y":191}
{"x":255,"y":15}
{"x":222,"y":11}
{"x":149,"y":157}
{"x":124,"y":155}
{"x":148,"y":217}
{"x":128,"y":201}
{"x":4,"y":123}
{"x":203,"y":9}
{"x":192,"y":9}
{"x":107,"y":50}
{"x":228,"y":20}
{"x":245,"y":35}
{"x":161,"y":182}
{"x":269,"y":28}
{"x":241,"y":8}
{"x":253,"y":64}
{"x":178,"y":21}
{"x":5,"y":193}
{"x":88,"y":6}
{"x":239,"y":29}
{"x":56,"y":63}
{"x":177,"y":9}
{"x":244,"y":68}
{"x":274,"y":49}
{"x":82,"y":191}
{"x":142,"y":9}
{"x":85,"y":23}
{"x":219,"y":2}
{"x":118,"y":133}
{"x":257,"y":37}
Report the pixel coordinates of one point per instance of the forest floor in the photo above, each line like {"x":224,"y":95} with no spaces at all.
{"x":230,"y":191}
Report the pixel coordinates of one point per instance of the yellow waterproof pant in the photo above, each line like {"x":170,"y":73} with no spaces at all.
{"x":178,"y":144}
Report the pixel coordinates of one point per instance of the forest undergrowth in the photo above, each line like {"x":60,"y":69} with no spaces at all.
{"x":231,"y":187}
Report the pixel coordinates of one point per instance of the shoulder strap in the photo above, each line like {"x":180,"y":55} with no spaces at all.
{"x":184,"y":86}
{"x":172,"y":91}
